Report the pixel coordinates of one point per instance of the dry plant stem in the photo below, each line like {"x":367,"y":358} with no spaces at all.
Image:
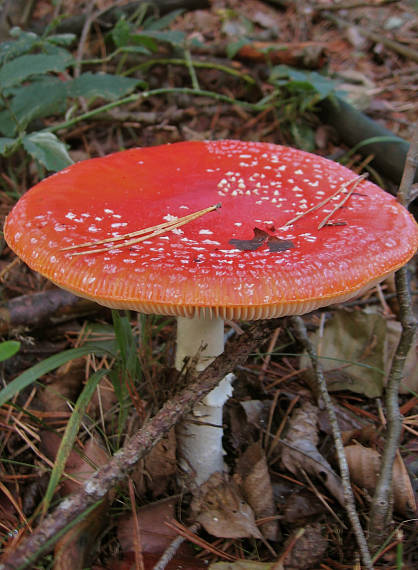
{"x":355,"y":181}
{"x":122,"y":463}
{"x":350,"y":505}
{"x":381,"y":510}
{"x":171,"y":550}
{"x":150,"y":232}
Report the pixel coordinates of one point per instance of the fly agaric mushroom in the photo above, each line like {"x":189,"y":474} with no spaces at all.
{"x":209,"y":231}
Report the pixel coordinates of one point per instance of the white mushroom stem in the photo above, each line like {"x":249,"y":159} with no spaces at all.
{"x":199,"y":435}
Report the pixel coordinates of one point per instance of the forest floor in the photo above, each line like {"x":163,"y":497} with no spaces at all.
{"x":228,"y":69}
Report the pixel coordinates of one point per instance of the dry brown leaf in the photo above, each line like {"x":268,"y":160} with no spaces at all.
{"x":103,"y":399}
{"x":364,"y":465}
{"x":155,"y":534}
{"x":353,"y":342}
{"x":308,"y":549}
{"x":221,"y":510}
{"x":257,"y":490}
{"x":155,"y":538}
{"x":300,"y":451}
{"x":63,"y":385}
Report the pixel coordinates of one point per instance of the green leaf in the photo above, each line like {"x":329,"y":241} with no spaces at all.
{"x":6,"y":144}
{"x":42,"y":98}
{"x":8,"y":348}
{"x":303,"y":136}
{"x":26,"y":66}
{"x":70,"y":435}
{"x":103,"y":85}
{"x":164,"y":21}
{"x":35,"y":372}
{"x":61,"y":39}
{"x":121,"y":32}
{"x":302,"y":80}
{"x":144,"y":40}
{"x":102,"y":336}
{"x":24,"y":42}
{"x":135,"y":49}
{"x":174,"y":37}
{"x":48,"y":150}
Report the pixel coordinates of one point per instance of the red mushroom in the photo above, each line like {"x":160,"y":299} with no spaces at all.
{"x":209,"y":231}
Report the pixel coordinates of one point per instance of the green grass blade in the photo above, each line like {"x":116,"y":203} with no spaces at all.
{"x":35,"y":372}
{"x":70,"y":435}
{"x":373,"y":140}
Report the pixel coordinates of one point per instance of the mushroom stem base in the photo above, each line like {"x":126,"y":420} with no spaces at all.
{"x":200,"y":435}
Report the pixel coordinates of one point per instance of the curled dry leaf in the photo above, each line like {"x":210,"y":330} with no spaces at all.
{"x":300,"y":451}
{"x":364,"y":465}
{"x":257,"y":489}
{"x":222,"y":511}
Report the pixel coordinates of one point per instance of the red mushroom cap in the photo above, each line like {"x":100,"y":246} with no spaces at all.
{"x":243,"y":260}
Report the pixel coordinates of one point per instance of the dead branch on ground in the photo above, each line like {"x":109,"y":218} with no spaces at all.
{"x":350,"y":504}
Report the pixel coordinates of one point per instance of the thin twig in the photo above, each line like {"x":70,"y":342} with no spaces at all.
{"x":381,"y":503}
{"x":343,"y":201}
{"x":201,"y":542}
{"x":150,"y":232}
{"x":172,"y":548}
{"x":355,"y":181}
{"x":339,"y":446}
